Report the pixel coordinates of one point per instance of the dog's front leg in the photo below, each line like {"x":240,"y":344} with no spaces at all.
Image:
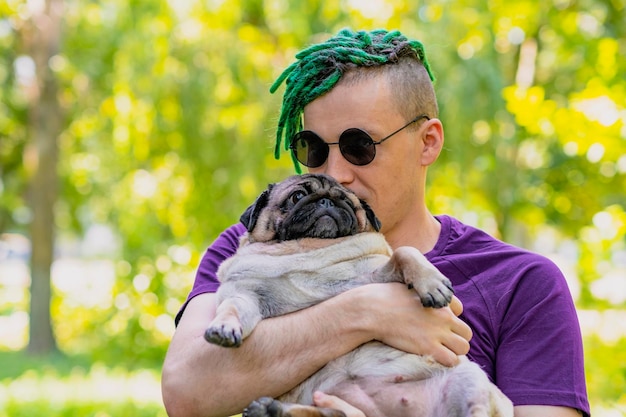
{"x":235,"y":318}
{"x":409,"y":266}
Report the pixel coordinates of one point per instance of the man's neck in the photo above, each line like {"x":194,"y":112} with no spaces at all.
{"x":421,"y":233}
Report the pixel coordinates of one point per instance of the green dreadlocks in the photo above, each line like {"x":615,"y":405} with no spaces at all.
{"x":319,"y":67}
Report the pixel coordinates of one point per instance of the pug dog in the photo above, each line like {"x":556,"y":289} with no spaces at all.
{"x":308,"y":239}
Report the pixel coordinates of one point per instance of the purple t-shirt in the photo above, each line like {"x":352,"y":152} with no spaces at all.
{"x":526,"y":332}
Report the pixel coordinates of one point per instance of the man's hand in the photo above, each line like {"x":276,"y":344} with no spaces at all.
{"x":330,"y":401}
{"x":398,"y":319}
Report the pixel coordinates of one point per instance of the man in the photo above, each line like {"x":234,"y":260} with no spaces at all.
{"x":525,"y":331}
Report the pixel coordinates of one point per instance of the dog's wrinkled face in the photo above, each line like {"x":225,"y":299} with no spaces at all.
{"x":309,"y":205}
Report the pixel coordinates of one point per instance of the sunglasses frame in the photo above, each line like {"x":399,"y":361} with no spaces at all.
{"x":294,"y":141}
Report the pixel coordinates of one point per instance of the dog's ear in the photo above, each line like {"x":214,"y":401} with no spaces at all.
{"x":251,"y":215}
{"x":371,"y":216}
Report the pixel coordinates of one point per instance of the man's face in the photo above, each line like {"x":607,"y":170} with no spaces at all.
{"x":393,"y":182}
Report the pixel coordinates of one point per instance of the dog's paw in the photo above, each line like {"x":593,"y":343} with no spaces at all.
{"x":224,"y":335}
{"x":436,"y":292}
{"x":411,"y":267}
{"x":269,"y":407}
{"x":264,"y":407}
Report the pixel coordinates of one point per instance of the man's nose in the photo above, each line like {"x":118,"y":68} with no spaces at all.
{"x":337,"y":167}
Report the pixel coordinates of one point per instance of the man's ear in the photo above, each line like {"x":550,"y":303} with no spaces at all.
{"x":432,"y":139}
{"x":251,"y":215}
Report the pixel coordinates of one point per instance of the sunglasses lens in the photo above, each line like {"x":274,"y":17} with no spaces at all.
{"x":310,"y":150}
{"x":357,"y":147}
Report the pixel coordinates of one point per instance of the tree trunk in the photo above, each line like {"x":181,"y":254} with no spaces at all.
{"x":45,"y":125}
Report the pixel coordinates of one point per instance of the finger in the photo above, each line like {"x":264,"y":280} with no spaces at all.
{"x":457,"y":345}
{"x":330,"y":401}
{"x":462,"y":329}
{"x":456,"y":306}
{"x":445,"y":356}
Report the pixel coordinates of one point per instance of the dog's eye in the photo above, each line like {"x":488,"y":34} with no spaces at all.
{"x":296,"y":196}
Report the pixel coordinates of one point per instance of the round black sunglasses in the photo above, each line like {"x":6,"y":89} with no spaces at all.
{"x":356,"y":145}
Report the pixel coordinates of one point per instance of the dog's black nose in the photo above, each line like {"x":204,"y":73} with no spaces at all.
{"x":325,"y":202}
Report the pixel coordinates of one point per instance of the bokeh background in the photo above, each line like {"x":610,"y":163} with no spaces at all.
{"x":132,"y":132}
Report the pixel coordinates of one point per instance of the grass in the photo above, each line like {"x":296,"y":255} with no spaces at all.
{"x":76,"y":409}
{"x":15,"y":363}
{"x":58,"y":385}
{"x":69,"y":386}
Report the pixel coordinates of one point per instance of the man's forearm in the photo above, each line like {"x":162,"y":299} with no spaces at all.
{"x":200,"y":379}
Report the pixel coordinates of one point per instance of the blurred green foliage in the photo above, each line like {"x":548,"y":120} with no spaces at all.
{"x":169,"y":132}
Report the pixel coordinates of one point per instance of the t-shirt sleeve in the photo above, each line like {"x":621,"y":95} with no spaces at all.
{"x":206,"y":280}
{"x":540,"y":357}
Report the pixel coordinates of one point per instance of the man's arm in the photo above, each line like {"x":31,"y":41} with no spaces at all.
{"x":200,"y":379}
